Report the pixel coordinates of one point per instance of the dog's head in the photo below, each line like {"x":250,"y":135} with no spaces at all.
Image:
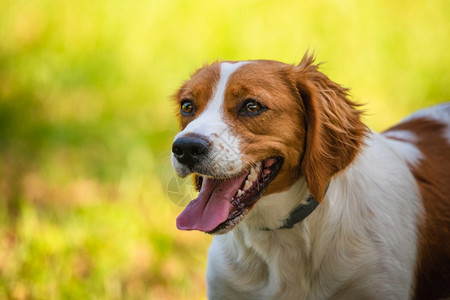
{"x":251,"y":129}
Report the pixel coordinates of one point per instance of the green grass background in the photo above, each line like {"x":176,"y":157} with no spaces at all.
{"x":86,"y":122}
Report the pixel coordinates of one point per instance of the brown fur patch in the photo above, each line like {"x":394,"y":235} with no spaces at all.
{"x":199,"y":88}
{"x":433,"y":178}
{"x":280,"y":130}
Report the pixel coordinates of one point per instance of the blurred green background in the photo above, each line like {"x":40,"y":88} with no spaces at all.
{"x":86,"y":122}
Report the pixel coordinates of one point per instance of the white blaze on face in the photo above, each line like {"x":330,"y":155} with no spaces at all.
{"x":224,"y":158}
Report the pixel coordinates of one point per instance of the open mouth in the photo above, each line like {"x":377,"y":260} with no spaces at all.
{"x":223,"y":203}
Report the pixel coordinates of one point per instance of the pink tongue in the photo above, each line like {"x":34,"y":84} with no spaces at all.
{"x":212,"y":206}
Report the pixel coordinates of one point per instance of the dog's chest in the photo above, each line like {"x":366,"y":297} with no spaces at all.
{"x":261,"y":266}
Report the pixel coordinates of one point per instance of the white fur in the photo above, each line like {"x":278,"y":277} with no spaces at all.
{"x":360,"y":243}
{"x":225,"y":155}
{"x":403,"y":144}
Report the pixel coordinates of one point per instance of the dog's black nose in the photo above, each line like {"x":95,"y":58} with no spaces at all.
{"x":190,"y":150}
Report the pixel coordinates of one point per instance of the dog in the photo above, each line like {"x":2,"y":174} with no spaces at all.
{"x":303,"y":199}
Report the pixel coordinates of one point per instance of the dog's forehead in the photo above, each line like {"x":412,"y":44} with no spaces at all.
{"x":206,"y":79}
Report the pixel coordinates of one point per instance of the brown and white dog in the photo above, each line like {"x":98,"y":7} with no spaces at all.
{"x":306,"y":201}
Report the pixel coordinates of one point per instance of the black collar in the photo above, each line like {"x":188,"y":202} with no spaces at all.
{"x":299,"y":213}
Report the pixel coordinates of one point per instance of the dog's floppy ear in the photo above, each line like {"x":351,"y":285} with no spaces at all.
{"x":334,"y":131}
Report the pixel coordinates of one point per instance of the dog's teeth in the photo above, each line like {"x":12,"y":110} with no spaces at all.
{"x":258,"y":167}
{"x":253,"y":175}
{"x":247,"y":185}
{"x":240,"y":193}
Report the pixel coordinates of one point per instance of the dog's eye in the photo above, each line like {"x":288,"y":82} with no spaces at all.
{"x":187,"y":107}
{"x":252,"y":108}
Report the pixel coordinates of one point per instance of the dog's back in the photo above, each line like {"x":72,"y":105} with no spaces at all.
{"x":429,"y":131}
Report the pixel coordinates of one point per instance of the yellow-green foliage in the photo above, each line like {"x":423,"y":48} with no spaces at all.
{"x":86,"y":122}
